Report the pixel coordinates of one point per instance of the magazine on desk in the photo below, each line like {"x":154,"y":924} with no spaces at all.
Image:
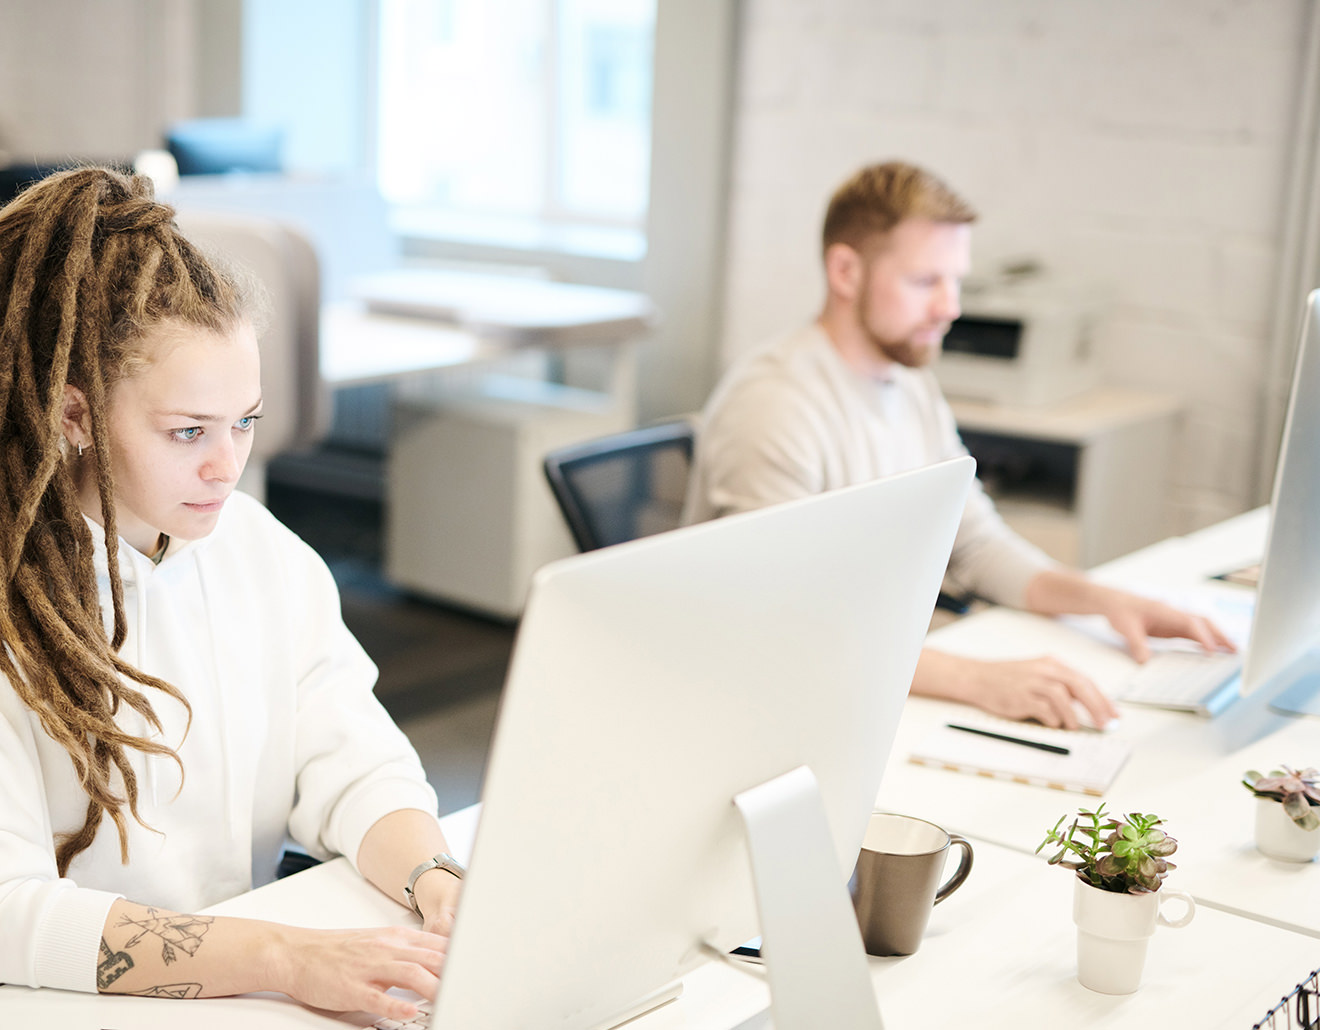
{"x":1082,"y":761}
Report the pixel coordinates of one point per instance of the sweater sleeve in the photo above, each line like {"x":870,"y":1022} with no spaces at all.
{"x":759,"y":448}
{"x":989,"y":558}
{"x":50,"y":929}
{"x":354,"y":765}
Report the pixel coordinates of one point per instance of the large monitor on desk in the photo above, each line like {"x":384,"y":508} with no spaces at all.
{"x":1283,"y":652}
{"x":655,"y":687}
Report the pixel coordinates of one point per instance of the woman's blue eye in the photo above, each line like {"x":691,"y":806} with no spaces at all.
{"x":246,"y":423}
{"x":188,"y":435}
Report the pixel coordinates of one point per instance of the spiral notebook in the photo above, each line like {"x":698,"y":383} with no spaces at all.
{"x":1090,"y":766}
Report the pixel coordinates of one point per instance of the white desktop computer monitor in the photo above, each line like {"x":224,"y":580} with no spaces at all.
{"x":1283,"y":650}
{"x":652,"y":684}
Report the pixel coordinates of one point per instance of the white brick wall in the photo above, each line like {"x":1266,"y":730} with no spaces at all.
{"x":1138,"y":145}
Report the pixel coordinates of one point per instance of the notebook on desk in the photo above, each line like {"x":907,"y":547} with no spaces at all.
{"x":1089,"y":766}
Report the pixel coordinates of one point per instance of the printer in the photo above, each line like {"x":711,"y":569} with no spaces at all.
{"x":1020,"y":344}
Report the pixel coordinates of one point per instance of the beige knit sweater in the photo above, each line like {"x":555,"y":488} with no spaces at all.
{"x":790,"y":419}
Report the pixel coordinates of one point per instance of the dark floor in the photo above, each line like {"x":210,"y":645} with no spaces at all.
{"x":440,"y":669}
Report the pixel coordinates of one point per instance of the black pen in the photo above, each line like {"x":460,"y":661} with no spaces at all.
{"x":1039,"y":744}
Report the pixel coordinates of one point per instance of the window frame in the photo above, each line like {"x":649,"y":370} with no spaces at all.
{"x":554,"y":222}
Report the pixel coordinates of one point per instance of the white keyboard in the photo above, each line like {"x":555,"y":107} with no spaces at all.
{"x":1190,"y":681}
{"x":421,"y":1021}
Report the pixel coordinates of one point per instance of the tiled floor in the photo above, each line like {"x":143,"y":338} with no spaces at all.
{"x":453,"y":741}
{"x":440,"y":669}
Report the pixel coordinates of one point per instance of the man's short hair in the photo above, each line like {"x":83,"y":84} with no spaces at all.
{"x":878,"y":197}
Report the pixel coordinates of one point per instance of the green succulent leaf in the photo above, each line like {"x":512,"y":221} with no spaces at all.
{"x":1297,"y":791}
{"x":1123,"y":855}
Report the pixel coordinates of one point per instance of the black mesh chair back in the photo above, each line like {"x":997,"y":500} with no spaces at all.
{"x":622,"y":486}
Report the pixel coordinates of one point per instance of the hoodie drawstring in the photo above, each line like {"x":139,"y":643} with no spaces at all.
{"x":228,"y":775}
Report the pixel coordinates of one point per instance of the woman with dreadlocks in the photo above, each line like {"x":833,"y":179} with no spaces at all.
{"x":178,"y":691}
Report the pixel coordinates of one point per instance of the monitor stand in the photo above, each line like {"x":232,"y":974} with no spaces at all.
{"x":1300,"y":697}
{"x":651,"y":1001}
{"x":810,"y":942}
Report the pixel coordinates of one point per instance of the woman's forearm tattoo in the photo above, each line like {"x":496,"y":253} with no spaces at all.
{"x":176,"y":933}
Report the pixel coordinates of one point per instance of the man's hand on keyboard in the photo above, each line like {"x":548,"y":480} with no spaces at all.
{"x":1062,"y":591}
{"x":1136,"y":619}
{"x":1043,"y":689}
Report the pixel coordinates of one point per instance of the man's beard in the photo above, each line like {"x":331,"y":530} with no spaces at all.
{"x":905,"y":352}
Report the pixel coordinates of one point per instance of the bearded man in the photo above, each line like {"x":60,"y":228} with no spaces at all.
{"x":850,"y":398}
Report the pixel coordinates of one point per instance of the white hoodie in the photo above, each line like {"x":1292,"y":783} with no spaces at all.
{"x":286,"y":737}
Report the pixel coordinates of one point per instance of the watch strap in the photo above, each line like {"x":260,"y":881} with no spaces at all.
{"x":443,"y":861}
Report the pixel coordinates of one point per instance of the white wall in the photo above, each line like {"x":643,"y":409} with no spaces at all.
{"x":1138,"y":145}
{"x":98,"y":81}
{"x":695,"y":42}
{"x":102,"y":80}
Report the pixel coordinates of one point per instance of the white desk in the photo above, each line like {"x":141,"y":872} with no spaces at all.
{"x":1186,"y":768}
{"x":1001,"y":951}
{"x":1100,"y":468}
{"x":998,"y":953}
{"x":359,"y":347}
{"x":522,"y":309}
{"x":426,"y":320}
{"x":441,"y":336}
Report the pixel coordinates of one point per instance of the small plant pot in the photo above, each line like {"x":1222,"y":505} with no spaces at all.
{"x":1113,"y":931}
{"x":1277,"y":836}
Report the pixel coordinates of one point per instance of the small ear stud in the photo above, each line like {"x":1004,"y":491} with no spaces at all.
{"x":80,"y":450}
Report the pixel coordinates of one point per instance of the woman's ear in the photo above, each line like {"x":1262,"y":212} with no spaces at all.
{"x":77,"y":419}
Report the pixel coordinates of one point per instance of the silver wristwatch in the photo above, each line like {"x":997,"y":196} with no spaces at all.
{"x":442,"y":861}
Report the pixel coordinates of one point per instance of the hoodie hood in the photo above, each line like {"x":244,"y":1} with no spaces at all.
{"x":147,"y":584}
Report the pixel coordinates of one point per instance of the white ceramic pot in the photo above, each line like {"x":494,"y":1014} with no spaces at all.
{"x":1277,"y":836}
{"x":1113,"y":931}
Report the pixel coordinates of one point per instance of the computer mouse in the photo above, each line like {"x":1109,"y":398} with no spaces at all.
{"x":1085,"y":722}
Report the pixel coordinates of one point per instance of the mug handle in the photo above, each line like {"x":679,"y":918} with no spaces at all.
{"x":964,"y":868}
{"x":1186,"y":899}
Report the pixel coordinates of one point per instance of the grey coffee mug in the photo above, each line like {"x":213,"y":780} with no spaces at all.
{"x":896,"y":881}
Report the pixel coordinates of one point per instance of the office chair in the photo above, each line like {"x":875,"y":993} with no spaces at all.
{"x":622,"y":486}
{"x":632,"y":484}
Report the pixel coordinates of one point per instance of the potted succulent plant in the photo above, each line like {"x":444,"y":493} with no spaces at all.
{"x":1121,"y":864}
{"x":1287,"y":813}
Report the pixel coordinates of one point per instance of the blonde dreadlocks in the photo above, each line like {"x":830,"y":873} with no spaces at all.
{"x":89,"y":263}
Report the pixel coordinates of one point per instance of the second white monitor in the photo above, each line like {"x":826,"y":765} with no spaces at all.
{"x":1283,"y":652}
{"x":651,"y":683}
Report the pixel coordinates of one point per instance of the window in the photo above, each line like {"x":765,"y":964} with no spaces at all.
{"x":521,"y":110}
